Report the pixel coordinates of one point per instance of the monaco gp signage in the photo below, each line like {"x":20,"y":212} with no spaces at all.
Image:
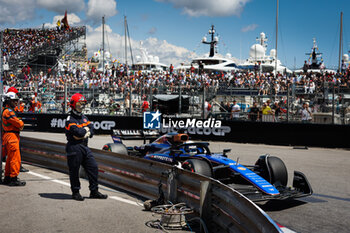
{"x":104,"y":125}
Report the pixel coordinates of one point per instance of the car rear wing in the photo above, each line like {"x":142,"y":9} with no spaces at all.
{"x":137,"y":134}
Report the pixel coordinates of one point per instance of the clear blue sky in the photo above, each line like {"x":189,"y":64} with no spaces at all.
{"x":183,"y":23}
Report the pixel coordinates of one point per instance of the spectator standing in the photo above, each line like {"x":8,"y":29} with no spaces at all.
{"x":306,"y":115}
{"x":277,"y":110}
{"x":127,"y":104}
{"x":200,"y":68}
{"x":343,"y":67}
{"x":145,"y":104}
{"x":113,"y":71}
{"x":235,"y":110}
{"x":254,"y":112}
{"x":267,"y":113}
{"x":305,"y":67}
{"x":207,"y":108}
{"x":171,"y":68}
{"x":192,"y":69}
{"x":35,"y":105}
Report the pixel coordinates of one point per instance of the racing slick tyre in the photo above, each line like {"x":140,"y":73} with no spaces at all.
{"x":272,"y":169}
{"x":198,"y":166}
{"x":116,"y":147}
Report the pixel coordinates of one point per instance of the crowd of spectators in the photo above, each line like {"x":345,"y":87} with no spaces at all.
{"x":19,"y":43}
{"x":119,"y":79}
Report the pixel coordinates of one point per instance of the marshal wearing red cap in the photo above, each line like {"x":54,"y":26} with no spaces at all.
{"x":78,"y":130}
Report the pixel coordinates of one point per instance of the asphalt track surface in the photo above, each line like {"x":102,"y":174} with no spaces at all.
{"x":44,"y":205}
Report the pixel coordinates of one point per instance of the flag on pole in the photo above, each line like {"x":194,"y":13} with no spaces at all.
{"x":64,"y":21}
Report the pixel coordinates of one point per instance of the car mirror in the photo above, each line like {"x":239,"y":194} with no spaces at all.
{"x":225,"y":151}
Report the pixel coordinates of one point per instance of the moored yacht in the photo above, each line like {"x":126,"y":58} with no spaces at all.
{"x":213,"y":61}
{"x":315,"y":62}
{"x":148,"y":64}
{"x":259,"y":60}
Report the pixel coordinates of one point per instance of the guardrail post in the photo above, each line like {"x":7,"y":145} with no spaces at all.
{"x":172,"y":186}
{"x":205,"y":203}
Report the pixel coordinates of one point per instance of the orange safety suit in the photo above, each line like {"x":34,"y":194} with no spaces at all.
{"x":20,"y":108}
{"x":34,"y":104}
{"x":11,"y":127}
{"x":145,"y":106}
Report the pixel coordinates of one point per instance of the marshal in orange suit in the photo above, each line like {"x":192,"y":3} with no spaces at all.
{"x":11,"y":126}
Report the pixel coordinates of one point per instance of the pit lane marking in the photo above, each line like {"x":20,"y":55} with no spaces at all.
{"x":68,"y":184}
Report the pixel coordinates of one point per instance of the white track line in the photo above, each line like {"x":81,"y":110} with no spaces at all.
{"x":68,"y":184}
{"x":49,"y":178}
{"x":124,"y":200}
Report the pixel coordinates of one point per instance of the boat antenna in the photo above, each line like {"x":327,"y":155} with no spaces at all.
{"x":103,"y":44}
{"x":109,"y":47}
{"x":126,"y":42}
{"x":132,"y":57}
{"x":340,"y":41}
{"x":276,"y":38}
{"x":213,"y":41}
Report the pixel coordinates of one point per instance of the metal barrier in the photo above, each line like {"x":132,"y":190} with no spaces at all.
{"x":222,"y":208}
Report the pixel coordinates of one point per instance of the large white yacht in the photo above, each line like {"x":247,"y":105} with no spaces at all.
{"x":314,"y":63}
{"x":212,"y":61}
{"x":147,"y":63}
{"x":98,"y":57}
{"x":257,"y":55}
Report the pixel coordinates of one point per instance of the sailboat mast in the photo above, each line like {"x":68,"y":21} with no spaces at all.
{"x":103,"y":44}
{"x":340,"y":41}
{"x":126,"y":45}
{"x":276,"y":38}
{"x":132,"y":58}
{"x":1,"y":88}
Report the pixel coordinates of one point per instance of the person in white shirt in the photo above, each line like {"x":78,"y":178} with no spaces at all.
{"x":207,"y":109}
{"x":235,"y":109}
{"x":312,"y":87}
{"x":306,"y":115}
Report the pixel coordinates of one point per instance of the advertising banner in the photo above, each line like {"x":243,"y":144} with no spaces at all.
{"x":290,"y":134}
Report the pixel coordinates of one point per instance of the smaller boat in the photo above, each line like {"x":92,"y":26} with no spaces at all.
{"x":315,"y":62}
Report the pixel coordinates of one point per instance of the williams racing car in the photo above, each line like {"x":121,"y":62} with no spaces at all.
{"x":266,"y":180}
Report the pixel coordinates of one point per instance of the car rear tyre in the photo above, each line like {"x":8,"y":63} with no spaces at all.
{"x":116,"y":148}
{"x":198,"y":166}
{"x":272,"y":169}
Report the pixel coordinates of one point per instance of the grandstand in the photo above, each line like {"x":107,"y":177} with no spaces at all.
{"x":38,"y":48}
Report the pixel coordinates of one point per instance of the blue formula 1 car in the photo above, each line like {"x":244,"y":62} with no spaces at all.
{"x":266,"y":180}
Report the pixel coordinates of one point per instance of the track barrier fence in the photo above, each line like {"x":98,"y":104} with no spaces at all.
{"x":221,"y":208}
